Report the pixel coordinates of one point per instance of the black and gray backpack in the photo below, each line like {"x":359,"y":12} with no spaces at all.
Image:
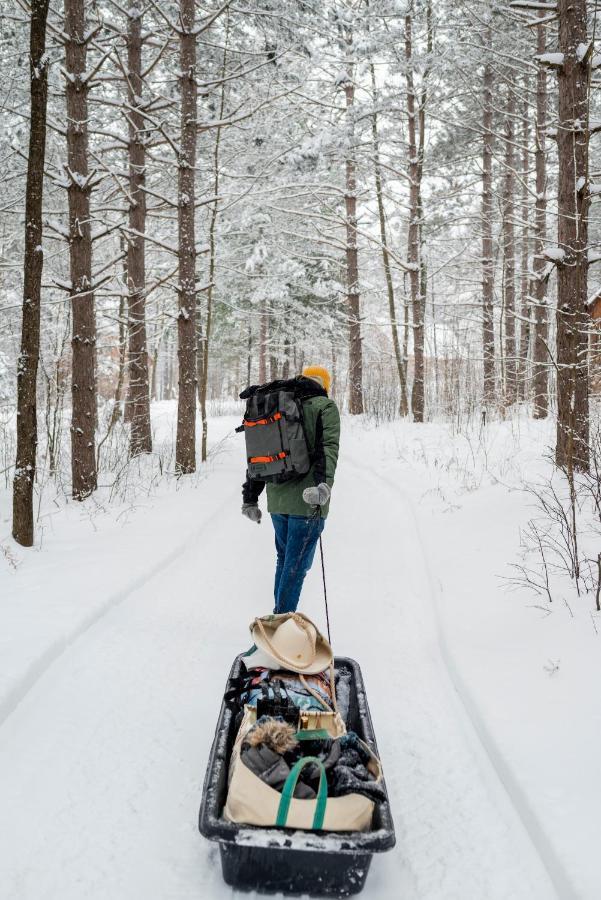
{"x":276,"y":443}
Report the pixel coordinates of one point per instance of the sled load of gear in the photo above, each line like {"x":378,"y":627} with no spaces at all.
{"x":294,"y":755}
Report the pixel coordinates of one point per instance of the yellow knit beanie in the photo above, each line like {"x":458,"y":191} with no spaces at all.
{"x":320,"y":374}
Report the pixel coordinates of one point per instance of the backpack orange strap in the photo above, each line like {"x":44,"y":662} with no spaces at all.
{"x":267,"y":459}
{"x":249,"y":423}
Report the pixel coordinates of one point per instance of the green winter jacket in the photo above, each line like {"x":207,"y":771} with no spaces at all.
{"x":287,"y":498}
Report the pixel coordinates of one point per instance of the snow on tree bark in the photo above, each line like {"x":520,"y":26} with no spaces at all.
{"x":185,"y":451}
{"x":80,"y":181}
{"x":572,"y":446}
{"x":139,"y":402}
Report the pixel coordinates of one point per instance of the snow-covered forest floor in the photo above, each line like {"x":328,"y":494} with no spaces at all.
{"x":117,"y":634}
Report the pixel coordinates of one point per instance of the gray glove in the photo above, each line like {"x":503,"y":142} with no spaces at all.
{"x":317,"y":496}
{"x":252,"y":512}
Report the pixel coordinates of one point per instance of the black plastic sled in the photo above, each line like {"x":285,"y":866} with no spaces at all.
{"x":289,"y":861}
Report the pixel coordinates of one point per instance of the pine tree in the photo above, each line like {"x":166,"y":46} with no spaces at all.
{"x":27,"y":428}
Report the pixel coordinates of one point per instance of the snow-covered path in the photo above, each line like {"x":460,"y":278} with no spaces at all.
{"x":101,"y":764}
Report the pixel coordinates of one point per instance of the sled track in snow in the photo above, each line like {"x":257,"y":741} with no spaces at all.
{"x":510,"y":786}
{"x":41,"y":665}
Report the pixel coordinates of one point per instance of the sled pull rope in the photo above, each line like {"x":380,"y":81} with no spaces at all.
{"x":325,"y":590}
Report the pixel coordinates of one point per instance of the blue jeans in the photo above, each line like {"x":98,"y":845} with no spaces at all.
{"x":295,"y":541}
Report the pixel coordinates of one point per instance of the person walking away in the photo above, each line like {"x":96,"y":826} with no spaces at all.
{"x":299,"y":508}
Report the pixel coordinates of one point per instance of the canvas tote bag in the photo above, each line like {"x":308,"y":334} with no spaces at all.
{"x":252,"y":802}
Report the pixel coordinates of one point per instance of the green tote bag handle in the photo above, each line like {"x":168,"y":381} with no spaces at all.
{"x":290,"y":787}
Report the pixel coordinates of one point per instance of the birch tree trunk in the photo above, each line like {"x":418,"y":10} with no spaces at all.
{"x":27,"y":370}
{"x":185,"y":453}
{"x":488,"y":277}
{"x":83,"y":380}
{"x":140,"y":433}
{"x":540,"y":375}
{"x":572,"y":447}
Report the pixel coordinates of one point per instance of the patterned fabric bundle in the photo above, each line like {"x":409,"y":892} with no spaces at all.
{"x":300,"y":689}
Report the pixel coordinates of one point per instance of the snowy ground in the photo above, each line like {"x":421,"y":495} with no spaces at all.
{"x":116,"y":638}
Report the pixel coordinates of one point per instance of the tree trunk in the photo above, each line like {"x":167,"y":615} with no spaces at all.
{"x":123,"y":322}
{"x":204,"y":374}
{"x":413,"y":237}
{"x":541,"y":361}
{"x":435,"y":348}
{"x":286,"y":364}
{"x":153,"y":371}
{"x":334,"y":385}
{"x":525,"y":246}
{"x":27,"y":370}
{"x":421,"y":118}
{"x":249,"y":348}
{"x":352,"y":256}
{"x":273,"y":364}
{"x":510,"y":392}
{"x":263,"y":336}
{"x":488,"y":267}
{"x":83,"y":381}
{"x":170,"y":392}
{"x":116,"y":411}
{"x":403,"y":403}
{"x":572,"y":450}
{"x":140,"y":434}
{"x":185,"y":453}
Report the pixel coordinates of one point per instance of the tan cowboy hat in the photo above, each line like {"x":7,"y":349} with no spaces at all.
{"x":288,"y":641}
